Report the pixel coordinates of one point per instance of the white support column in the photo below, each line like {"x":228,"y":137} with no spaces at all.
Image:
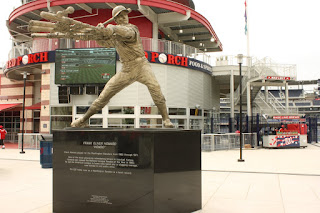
{"x":232,"y":98}
{"x":155,"y":30}
{"x":287,"y":97}
{"x":188,"y":118}
{"x":137,"y":116}
{"x":266,"y":91}
{"x":170,"y":47}
{"x":50,"y":44}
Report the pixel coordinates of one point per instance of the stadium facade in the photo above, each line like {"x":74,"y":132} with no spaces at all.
{"x":64,"y":76}
{"x":176,"y":39}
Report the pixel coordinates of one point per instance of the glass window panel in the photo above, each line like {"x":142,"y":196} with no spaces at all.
{"x":177,"y":111}
{"x":81,"y":109}
{"x":96,"y":121}
{"x":206,"y":113}
{"x":115,"y":110}
{"x":7,"y":126}
{"x":121,"y":123}
{"x":36,"y":114}
{"x":179,"y":123}
{"x":149,"y":110}
{"x":8,"y":119}
{"x":84,"y":109}
{"x":207,"y":121}
{"x":128,"y":121}
{"x":150,"y":123}
{"x":60,"y":122}
{"x":121,"y":110}
{"x":9,"y":113}
{"x":15,"y":113}
{"x":195,"y":124}
{"x":61,"y":110}
{"x":128,"y":110}
{"x":196,"y":112}
{"x":17,"y":126}
{"x":114,"y":121}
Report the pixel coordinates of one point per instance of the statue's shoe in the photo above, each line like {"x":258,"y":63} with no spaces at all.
{"x":167,"y":123}
{"x":79,"y":123}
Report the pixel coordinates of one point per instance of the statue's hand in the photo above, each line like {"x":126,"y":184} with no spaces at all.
{"x":107,"y":32}
{"x":100,"y":26}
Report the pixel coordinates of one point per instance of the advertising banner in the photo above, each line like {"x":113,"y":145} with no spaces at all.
{"x":286,"y":141}
{"x":176,"y":60}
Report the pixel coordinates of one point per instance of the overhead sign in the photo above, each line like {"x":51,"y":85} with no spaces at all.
{"x":176,"y":60}
{"x":34,"y":58}
{"x":286,"y":117}
{"x":279,"y":78}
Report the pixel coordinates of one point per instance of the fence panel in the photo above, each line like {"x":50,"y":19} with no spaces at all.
{"x":30,"y":140}
{"x":213,"y":142}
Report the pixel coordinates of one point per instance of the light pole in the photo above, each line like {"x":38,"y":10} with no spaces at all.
{"x":25,"y":74}
{"x":240,"y":60}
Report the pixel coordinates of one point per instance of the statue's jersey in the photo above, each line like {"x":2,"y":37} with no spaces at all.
{"x":127,"y":42}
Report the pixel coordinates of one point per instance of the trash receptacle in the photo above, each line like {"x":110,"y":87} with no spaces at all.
{"x":46,"y":154}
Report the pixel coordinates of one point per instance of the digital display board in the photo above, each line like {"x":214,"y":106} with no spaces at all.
{"x":85,"y":66}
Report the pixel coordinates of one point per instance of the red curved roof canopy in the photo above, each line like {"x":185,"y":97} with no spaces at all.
{"x":177,"y":6}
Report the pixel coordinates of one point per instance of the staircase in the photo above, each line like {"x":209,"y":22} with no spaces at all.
{"x":272,"y":106}
{"x":255,"y":74}
{"x":258,"y":72}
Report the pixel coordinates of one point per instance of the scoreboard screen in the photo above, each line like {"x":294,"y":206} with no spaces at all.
{"x":85,"y":66}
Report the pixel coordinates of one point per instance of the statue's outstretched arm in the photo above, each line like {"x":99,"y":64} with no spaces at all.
{"x":65,"y":27}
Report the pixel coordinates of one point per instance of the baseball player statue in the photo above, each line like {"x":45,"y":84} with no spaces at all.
{"x":125,"y":37}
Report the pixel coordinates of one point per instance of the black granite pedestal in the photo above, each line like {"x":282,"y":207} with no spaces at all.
{"x":126,"y":171}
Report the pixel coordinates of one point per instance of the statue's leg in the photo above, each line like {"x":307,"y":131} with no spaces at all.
{"x":147,"y":77}
{"x":114,"y":85}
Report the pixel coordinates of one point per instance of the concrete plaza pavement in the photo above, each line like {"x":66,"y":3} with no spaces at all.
{"x":270,"y":180}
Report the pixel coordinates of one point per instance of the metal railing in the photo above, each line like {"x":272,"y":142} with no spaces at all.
{"x":30,"y":140}
{"x":265,"y":106}
{"x":26,"y":1}
{"x":214,"y":142}
{"x":228,"y":60}
{"x":11,"y":137}
{"x":272,"y":105}
{"x":260,"y":69}
{"x":267,"y":67}
{"x":275,"y":103}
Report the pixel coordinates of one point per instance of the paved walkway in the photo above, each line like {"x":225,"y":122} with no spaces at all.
{"x":270,"y":180}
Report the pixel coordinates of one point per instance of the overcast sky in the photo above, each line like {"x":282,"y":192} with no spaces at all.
{"x":287,"y":31}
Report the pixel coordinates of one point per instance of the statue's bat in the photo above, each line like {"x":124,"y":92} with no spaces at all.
{"x":66,"y":26}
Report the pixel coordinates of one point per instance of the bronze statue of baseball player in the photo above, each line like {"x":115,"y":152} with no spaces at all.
{"x":125,"y":37}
